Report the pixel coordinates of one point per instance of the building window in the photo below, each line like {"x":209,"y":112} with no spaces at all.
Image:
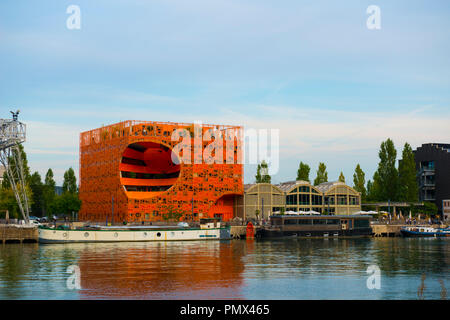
{"x":329,"y":200}
{"x":316,"y":200}
{"x":291,"y":199}
{"x":303,"y":199}
{"x":275,"y":222}
{"x":354,"y":201}
{"x":341,"y":200}
{"x":362,"y":223}
{"x":303,"y":189}
{"x":428,"y":165}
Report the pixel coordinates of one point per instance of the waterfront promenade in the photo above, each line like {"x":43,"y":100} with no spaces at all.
{"x":11,"y":233}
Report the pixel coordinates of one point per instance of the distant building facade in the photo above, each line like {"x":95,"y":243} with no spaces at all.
{"x":433,"y":173}
{"x":259,"y":199}
{"x":263,"y":199}
{"x":446,"y":209}
{"x":302,"y":196}
{"x":130,"y":172}
{"x":339,"y":198}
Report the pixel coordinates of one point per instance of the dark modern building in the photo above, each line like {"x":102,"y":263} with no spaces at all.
{"x":433,"y":172}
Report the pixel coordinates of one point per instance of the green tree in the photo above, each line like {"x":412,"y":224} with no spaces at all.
{"x":8,"y":201}
{"x":262,"y":173}
{"x":359,"y":182}
{"x":7,"y":198}
{"x":12,"y":163}
{"x":303,"y":172}
{"x":341,"y":177}
{"x":37,"y":188}
{"x":66,"y":203}
{"x":408,"y":188}
{"x":49,"y":193}
{"x":429,"y":208}
{"x":322,"y":174}
{"x":369,"y":188}
{"x":373,"y":188}
{"x":70,"y":182}
{"x":386,"y":178}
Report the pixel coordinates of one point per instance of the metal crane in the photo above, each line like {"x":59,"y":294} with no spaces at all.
{"x":12,"y":134}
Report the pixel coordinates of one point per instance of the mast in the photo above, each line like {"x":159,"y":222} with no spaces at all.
{"x":12,"y":134}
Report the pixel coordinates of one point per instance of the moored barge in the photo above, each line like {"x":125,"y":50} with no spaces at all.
{"x":316,"y":226}
{"x":421,"y":231}
{"x":209,"y":230}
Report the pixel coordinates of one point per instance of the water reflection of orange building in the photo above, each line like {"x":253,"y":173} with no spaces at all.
{"x":173,"y":270}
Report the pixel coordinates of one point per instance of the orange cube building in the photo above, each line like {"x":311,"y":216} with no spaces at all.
{"x":138,"y":171}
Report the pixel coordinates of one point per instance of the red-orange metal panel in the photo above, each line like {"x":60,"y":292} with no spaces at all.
{"x":208,"y":188}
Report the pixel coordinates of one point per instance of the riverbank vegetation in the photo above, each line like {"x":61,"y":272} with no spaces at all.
{"x":43,"y":198}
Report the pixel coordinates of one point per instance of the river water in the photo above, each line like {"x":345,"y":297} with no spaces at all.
{"x":237,"y":269}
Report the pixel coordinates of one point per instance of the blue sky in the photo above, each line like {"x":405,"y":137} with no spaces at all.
{"x":311,"y":69}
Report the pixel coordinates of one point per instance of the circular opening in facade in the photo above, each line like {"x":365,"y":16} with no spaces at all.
{"x":147,"y":169}
{"x":158,"y":234}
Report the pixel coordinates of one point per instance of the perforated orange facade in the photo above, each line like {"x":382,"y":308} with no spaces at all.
{"x":138,"y":171}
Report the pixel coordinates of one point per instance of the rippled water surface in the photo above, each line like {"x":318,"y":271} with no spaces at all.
{"x":238,"y":269}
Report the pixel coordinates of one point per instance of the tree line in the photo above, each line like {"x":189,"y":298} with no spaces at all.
{"x":389,"y":183}
{"x":42,"y":197}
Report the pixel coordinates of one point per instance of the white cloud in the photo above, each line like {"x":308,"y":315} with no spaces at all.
{"x":340,"y":138}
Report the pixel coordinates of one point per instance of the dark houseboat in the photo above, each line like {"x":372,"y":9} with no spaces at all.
{"x":310,"y":226}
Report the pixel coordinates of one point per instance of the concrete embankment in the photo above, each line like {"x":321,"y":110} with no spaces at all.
{"x":10,"y":233}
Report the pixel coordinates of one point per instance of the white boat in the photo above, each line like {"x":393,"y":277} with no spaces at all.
{"x":422,"y":231}
{"x":208,"y":230}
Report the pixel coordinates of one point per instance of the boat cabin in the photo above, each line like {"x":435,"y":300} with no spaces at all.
{"x":319,"y":225}
{"x":210,"y":223}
